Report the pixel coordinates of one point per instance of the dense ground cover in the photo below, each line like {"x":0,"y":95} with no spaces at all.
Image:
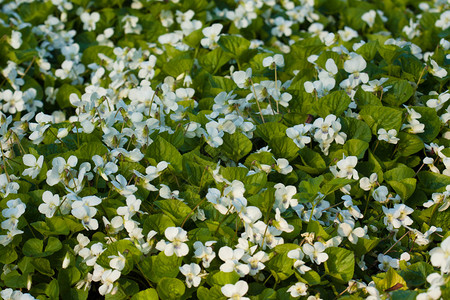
{"x":254,"y":149}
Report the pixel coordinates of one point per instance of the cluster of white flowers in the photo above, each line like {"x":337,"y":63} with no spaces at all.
{"x":126,"y":99}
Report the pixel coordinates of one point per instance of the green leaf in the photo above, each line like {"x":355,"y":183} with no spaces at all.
{"x":334,"y":185}
{"x":236,"y":146}
{"x":88,"y":150}
{"x":266,"y":294}
{"x":284,"y":147}
{"x":214,"y":60}
{"x":162,"y":150}
{"x":156,"y":267}
{"x":416,"y":274}
{"x":43,"y":266}
{"x":431,"y":121}
{"x":366,"y":98}
{"x":148,"y":294}
{"x":58,"y":225}
{"x":213,"y":293}
{"x":313,"y":162}
{"x":399,"y":173}
{"x":364,"y":245}
{"x":158,"y":222}
{"x":334,"y":103}
{"x":356,"y":147}
{"x":35,"y":12}
{"x":368,"y":50}
{"x":280,"y":266}
{"x":52,"y":289}
{"x":14,"y":280}
{"x":381,"y":117}
{"x":170,"y":288}
{"x":255,"y":182}
{"x":356,"y":129}
{"x":63,"y":95}
{"x":404,"y":295}
{"x":90,"y":54}
{"x":389,"y":280}
{"x":234,"y":45}
{"x":311,"y":278}
{"x":340,"y":264}
{"x":399,"y":93}
{"x":314,"y":226}
{"x":124,"y":247}
{"x":35,"y":247}
{"x":308,"y":189}
{"x":409,"y":144}
{"x":178,"y":65}
{"x":405,"y":188}
{"x":66,"y":278}
{"x":264,"y":201}
{"x":174,"y":209}
{"x":194,"y":38}
{"x":7,"y":254}
{"x":221,"y":278}
{"x":268,"y":131}
{"x":234,"y":173}
{"x":432,"y":182}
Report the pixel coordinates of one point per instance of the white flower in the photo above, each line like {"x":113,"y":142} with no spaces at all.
{"x":368,"y":183}
{"x":83,"y":209}
{"x":387,"y":262}
{"x":327,"y":76}
{"x":283,"y":166}
{"x":282,"y":27}
{"x":89,"y":20}
{"x":283,"y":196}
{"x":376,"y":85}
{"x":273,"y":61}
{"x":298,"y":134}
{"x":191,"y":272}
{"x":242,"y":79}
{"x":108,"y":278}
{"x":388,"y":136}
{"x":103,"y":169}
{"x":436,"y":70}
{"x":177,"y":236}
{"x":347,"y":168}
{"x":34,"y":164}
{"x":299,"y":264}
{"x":439,"y":102}
{"x":380,"y":194}
{"x":122,"y":187}
{"x":280,"y":223}
{"x":347,"y":34}
{"x":440,"y":256}
{"x":369,"y":17}
{"x":346,"y":230}
{"x":117,"y":262}
{"x":212,"y":35}
{"x":205,"y":252}
{"x":231,"y":261}
{"x":401,"y":211}
{"x":355,"y":65}
{"x":235,"y":291}
{"x":444,"y":20}
{"x":297,"y":290}
{"x":352,"y":209}
{"x":50,"y":205}
{"x":391,"y":219}
{"x":315,"y":252}
{"x":256,"y":261}
{"x":16,"y":39}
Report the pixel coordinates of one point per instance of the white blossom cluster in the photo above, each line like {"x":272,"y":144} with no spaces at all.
{"x":127,"y":98}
